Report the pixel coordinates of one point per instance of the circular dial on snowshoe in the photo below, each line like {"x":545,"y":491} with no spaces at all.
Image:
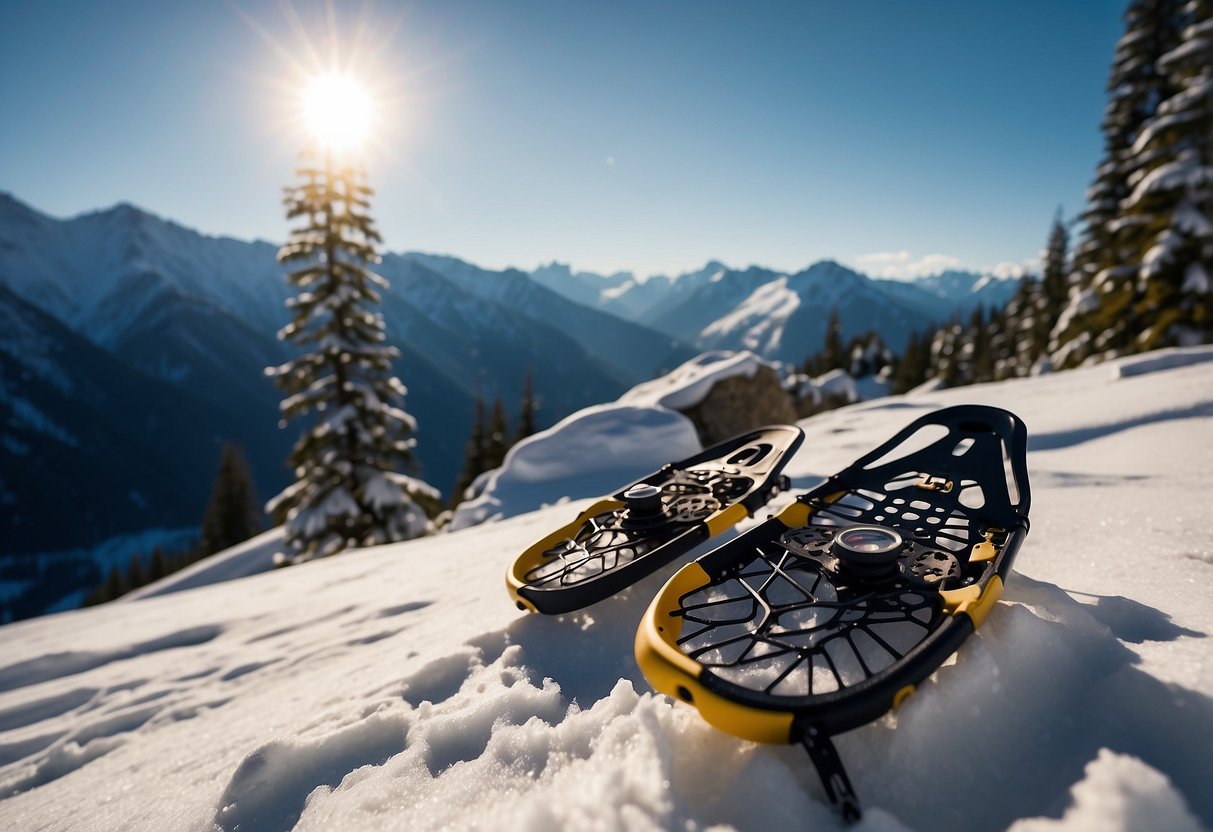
{"x":871,"y":552}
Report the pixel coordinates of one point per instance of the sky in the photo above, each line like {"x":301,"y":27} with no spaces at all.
{"x":652,"y":137}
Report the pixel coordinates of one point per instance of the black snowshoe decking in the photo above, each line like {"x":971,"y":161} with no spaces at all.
{"x":645,"y":525}
{"x":823,"y":618}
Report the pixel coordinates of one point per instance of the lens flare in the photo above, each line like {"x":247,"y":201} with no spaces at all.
{"x":338,"y":112}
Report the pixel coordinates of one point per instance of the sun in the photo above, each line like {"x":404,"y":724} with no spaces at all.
{"x":338,"y":112}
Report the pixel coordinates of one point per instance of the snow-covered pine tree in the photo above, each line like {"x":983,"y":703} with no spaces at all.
{"x":1019,"y":333}
{"x":1132,"y":203}
{"x":349,"y":490}
{"x":867,"y":355}
{"x":1173,"y":186}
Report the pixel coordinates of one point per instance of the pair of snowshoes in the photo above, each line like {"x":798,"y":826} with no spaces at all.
{"x":824,"y":617}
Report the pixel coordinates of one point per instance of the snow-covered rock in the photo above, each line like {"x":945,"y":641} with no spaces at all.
{"x":690,"y":383}
{"x":599,"y":449}
{"x":591,"y":453}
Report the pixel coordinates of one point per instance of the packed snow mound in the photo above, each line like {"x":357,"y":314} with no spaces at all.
{"x":600,"y":449}
{"x":399,"y":688}
{"x":590,"y":453}
{"x":688,"y":384}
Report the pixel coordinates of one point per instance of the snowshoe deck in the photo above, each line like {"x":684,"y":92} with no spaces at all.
{"x":650,"y":522}
{"x":823,"y":618}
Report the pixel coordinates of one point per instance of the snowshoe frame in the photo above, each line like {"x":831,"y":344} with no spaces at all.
{"x":602,"y":552}
{"x":755,"y":634}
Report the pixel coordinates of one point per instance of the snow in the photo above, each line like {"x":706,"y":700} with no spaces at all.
{"x":398,"y":688}
{"x":689,"y":383}
{"x":1152,"y":362}
{"x":1120,"y":793}
{"x":599,"y":449}
{"x":251,"y":557}
{"x":590,"y":453}
{"x":1196,"y":279}
{"x":1185,"y":171}
{"x":1080,"y":303}
{"x":758,"y":321}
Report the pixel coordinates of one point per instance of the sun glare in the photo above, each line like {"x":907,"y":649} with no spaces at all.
{"x":338,"y":112}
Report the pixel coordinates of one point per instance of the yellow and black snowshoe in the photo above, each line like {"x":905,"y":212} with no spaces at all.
{"x":647,"y":524}
{"x":824,"y":617}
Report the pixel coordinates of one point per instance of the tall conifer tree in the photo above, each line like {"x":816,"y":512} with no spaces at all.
{"x":348,"y":490}
{"x":232,"y":515}
{"x":496,"y":441}
{"x":1147,"y":218}
{"x":526,"y":416}
{"x":473,"y":454}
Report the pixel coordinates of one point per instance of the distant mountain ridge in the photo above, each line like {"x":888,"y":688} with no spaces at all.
{"x":780,"y":315}
{"x":190,"y":321}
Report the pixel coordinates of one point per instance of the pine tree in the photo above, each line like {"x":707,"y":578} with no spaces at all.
{"x":526,"y":415}
{"x":1053,"y":277}
{"x":1172,"y":176}
{"x":135,"y":575}
{"x":1033,"y":312}
{"x":981,"y":351}
{"x":473,"y":455}
{"x":833,"y":353}
{"x":1127,"y":216}
{"x":348,"y":491}
{"x":158,"y":566}
{"x":115,"y":585}
{"x":495,"y":442}
{"x":232,"y":515}
{"x":912,"y":368}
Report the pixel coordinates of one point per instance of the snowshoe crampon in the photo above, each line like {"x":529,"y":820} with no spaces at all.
{"x":823,"y":618}
{"x":645,"y":525}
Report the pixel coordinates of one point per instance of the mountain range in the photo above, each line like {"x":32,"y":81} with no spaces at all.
{"x":131,"y":346}
{"x":779,"y":315}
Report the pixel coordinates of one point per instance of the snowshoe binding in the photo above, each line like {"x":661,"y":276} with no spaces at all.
{"x":647,"y":524}
{"x":824,"y":617}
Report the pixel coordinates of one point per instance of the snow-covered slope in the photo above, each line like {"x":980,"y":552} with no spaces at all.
{"x":397,"y":688}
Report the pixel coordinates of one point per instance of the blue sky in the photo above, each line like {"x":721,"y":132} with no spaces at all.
{"x":627,"y":135}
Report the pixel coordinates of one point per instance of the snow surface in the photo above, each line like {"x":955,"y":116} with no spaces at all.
{"x":253,"y":556}
{"x":690,"y":383}
{"x":398,"y":688}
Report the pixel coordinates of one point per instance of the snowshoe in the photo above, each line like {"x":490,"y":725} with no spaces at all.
{"x":824,"y":617}
{"x":645,"y":525}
